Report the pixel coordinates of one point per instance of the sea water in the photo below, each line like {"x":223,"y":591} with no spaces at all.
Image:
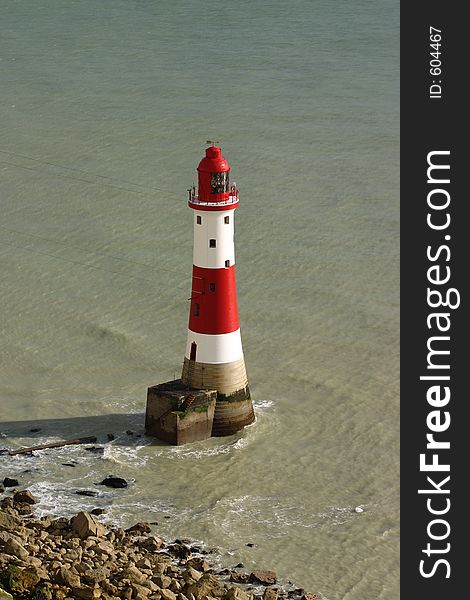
{"x":105,"y":108}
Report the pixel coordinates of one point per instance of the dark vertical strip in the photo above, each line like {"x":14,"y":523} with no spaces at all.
{"x":434,"y":260}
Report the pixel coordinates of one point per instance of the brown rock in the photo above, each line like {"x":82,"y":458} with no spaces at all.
{"x":168,"y":595}
{"x":86,"y":593}
{"x":85,"y":525}
{"x":309,"y":596}
{"x":208,"y":585}
{"x":140,"y":590}
{"x":8,"y":522}
{"x":270,"y":594}
{"x":14,"y":548}
{"x":198,"y":563}
{"x":191,"y":574}
{"x":263,"y":576}
{"x":66,"y":577}
{"x":96,"y":575}
{"x":162,"y":581}
{"x":236,"y":593}
{"x":25,"y":497}
{"x":139,"y":528}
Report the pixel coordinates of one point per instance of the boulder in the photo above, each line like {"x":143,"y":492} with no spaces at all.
{"x":85,"y":525}
{"x":263,"y":576}
{"x":270,"y":594}
{"x":97,"y":575}
{"x":8,"y":522}
{"x":236,"y":593}
{"x":4,"y":595}
{"x":14,"y":548}
{"x":66,"y":577}
{"x":114,"y":482}
{"x":167,"y":594}
{"x":163,"y":581}
{"x":139,"y":528}
{"x":208,"y":585}
{"x":10,"y":482}
{"x":86,"y":593}
{"x":24,"y":497}
{"x":20,"y":581}
{"x":140,"y":590}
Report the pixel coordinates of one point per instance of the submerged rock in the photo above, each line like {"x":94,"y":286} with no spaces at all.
{"x":10,"y":482}
{"x":114,"y":482}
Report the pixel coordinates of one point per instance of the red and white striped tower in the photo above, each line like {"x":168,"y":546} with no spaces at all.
{"x":214,"y":354}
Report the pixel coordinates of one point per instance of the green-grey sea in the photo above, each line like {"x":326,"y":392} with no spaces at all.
{"x":105,"y":107}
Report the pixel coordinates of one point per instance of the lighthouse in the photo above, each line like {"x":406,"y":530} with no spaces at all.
{"x":214,"y":354}
{"x":212,"y":398}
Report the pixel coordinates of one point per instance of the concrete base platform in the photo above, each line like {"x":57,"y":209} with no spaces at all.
{"x":178,"y":414}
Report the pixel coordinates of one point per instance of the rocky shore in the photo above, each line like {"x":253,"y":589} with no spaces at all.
{"x":80,"y":558}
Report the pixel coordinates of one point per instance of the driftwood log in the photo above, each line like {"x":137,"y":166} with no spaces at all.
{"x":83,"y":440}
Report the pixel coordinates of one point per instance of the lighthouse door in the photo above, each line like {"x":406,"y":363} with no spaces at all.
{"x":192,"y":356}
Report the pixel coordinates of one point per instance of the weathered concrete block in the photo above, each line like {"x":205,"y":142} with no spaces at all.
{"x":178,"y":414}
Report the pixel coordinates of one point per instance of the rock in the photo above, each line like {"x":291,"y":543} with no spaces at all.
{"x":95,"y":449}
{"x":208,"y":585}
{"x":25,"y":497}
{"x":309,"y":596}
{"x":263,"y":576}
{"x":240,"y":566}
{"x":236,"y":577}
{"x":180,"y":550}
{"x":270,"y":594}
{"x":23,"y":508}
{"x":130,"y":432}
{"x":9,"y":482}
{"x":140,"y":590}
{"x":66,"y":577}
{"x":110,"y":436}
{"x":97,"y":575}
{"x":70,"y":464}
{"x":358,"y":509}
{"x":162,"y":581}
{"x":199,"y":564}
{"x":139,"y":528}
{"x":144,"y":563}
{"x":8,"y":522}
{"x":133,"y":574}
{"x":85,"y":525}
{"x":91,"y":493}
{"x":20,"y":581}
{"x":5,"y":595}
{"x":114,"y":482}
{"x":2,"y":489}
{"x":235,"y":593}
{"x":42,"y":592}
{"x":86,"y":593}
{"x":167,"y":594}
{"x":97,"y":511}
{"x":13,"y":548}
{"x":192,"y":574}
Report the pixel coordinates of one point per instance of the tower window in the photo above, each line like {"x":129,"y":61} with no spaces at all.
{"x":198,"y":219}
{"x":227,"y":263}
{"x":212,"y":243}
{"x":226,"y":220}
{"x":212,"y":287}
{"x":196,"y":309}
